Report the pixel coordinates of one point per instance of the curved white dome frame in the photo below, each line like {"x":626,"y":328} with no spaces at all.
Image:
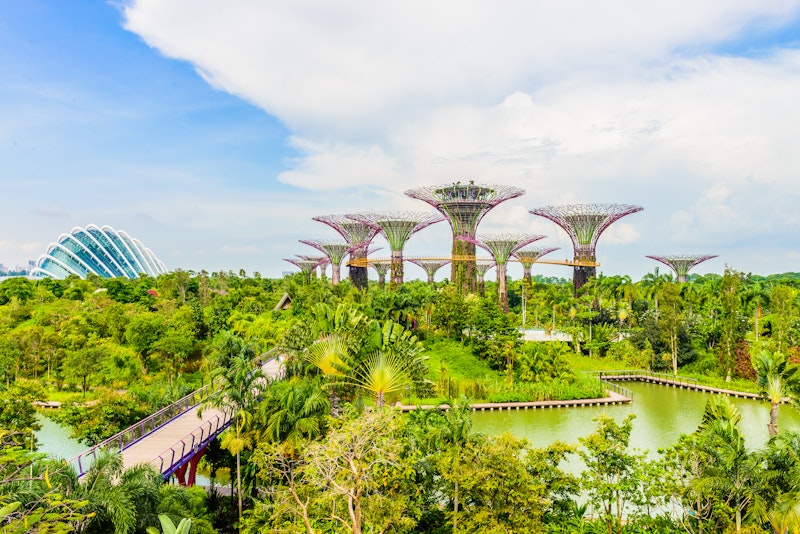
{"x":100,"y":250}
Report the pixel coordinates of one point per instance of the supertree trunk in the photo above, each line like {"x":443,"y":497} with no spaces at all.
{"x":335,"y":273}
{"x":502,"y":290}
{"x":463,"y":275}
{"x":581,"y":275}
{"x":397,"y":268}
{"x":358,"y":274}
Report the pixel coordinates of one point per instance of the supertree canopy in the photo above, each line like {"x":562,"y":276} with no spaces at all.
{"x":322,"y":261}
{"x":397,"y":227}
{"x":308,"y":267}
{"x":430,"y":267}
{"x":335,"y":252}
{"x":584,"y":223}
{"x":501,"y":247}
{"x":529,"y":256}
{"x":358,"y":235}
{"x":481,"y":266}
{"x":681,"y":263}
{"x":381,"y":268}
{"x":464,"y":205}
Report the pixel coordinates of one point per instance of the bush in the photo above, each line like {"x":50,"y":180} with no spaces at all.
{"x":507,"y":396}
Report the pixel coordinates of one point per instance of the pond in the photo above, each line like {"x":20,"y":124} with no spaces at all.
{"x":662,"y":414}
{"x":55,"y":440}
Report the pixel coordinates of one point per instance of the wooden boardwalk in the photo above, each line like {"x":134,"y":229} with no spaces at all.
{"x":612,"y":398}
{"x":674,"y":382}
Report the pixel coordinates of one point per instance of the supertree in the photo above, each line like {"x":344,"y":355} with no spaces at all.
{"x":430,"y":267}
{"x":464,"y":205}
{"x":359,"y":236}
{"x":681,"y":263}
{"x":380,"y":267}
{"x":584,"y":223}
{"x":322,"y":261}
{"x":308,"y":267}
{"x":397,"y":227}
{"x":334,"y":251}
{"x":481,"y":266}
{"x":529,"y":256}
{"x":501,"y":247}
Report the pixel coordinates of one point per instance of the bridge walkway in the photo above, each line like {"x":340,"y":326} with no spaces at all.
{"x":171,"y":437}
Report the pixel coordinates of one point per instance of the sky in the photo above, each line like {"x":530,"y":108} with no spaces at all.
{"x":214,"y":130}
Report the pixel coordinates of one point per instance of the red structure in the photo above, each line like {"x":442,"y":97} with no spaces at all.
{"x":334,"y":251}
{"x":430,"y":267}
{"x":681,"y":263}
{"x":584,"y":223}
{"x":464,"y":205}
{"x":501,"y":247}
{"x":359,"y":236}
{"x":397,"y":227}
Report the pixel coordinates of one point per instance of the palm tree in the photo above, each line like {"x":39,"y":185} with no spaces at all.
{"x":454,"y":435}
{"x":241,"y":386}
{"x":782,"y":466}
{"x":293,"y":411}
{"x":730,"y":471}
{"x":382,"y":373}
{"x":778,"y":379}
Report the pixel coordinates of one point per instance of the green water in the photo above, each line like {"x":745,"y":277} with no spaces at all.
{"x":662,"y":415}
{"x":55,"y":440}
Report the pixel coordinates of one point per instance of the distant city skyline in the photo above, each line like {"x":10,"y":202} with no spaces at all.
{"x":215,"y":131}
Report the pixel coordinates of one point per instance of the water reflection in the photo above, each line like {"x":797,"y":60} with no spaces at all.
{"x":662,"y":415}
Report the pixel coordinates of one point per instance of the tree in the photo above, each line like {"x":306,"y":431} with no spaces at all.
{"x":292,"y":412}
{"x":782,"y":302}
{"x":142,"y":333}
{"x":613,"y":475}
{"x":17,"y":414}
{"x":717,"y":481}
{"x":671,"y":319}
{"x":454,"y":435}
{"x":359,"y":478}
{"x":777,"y":379}
{"x":730,"y":319}
{"x":240,"y":388}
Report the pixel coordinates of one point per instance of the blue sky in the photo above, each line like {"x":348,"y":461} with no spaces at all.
{"x":213,"y":130}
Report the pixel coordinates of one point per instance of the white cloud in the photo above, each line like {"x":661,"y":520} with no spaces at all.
{"x":574,"y":101}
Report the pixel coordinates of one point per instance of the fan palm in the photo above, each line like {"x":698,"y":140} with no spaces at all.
{"x":778,"y":379}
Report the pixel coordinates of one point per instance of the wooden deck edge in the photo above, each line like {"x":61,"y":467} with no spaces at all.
{"x":680,"y":384}
{"x":613,"y":398}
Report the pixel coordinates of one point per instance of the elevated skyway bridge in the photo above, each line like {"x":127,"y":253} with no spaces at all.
{"x":364,"y":262}
{"x":174,"y":438}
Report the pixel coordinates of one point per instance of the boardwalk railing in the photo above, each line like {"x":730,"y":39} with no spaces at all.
{"x":140,"y":429}
{"x":171,"y":459}
{"x":640,"y":374}
{"x":124,"y":439}
{"x":616,"y":388}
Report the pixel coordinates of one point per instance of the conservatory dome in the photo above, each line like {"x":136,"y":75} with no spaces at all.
{"x":103,"y":251}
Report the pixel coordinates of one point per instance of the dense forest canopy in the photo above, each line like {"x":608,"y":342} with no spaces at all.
{"x":115,"y":350}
